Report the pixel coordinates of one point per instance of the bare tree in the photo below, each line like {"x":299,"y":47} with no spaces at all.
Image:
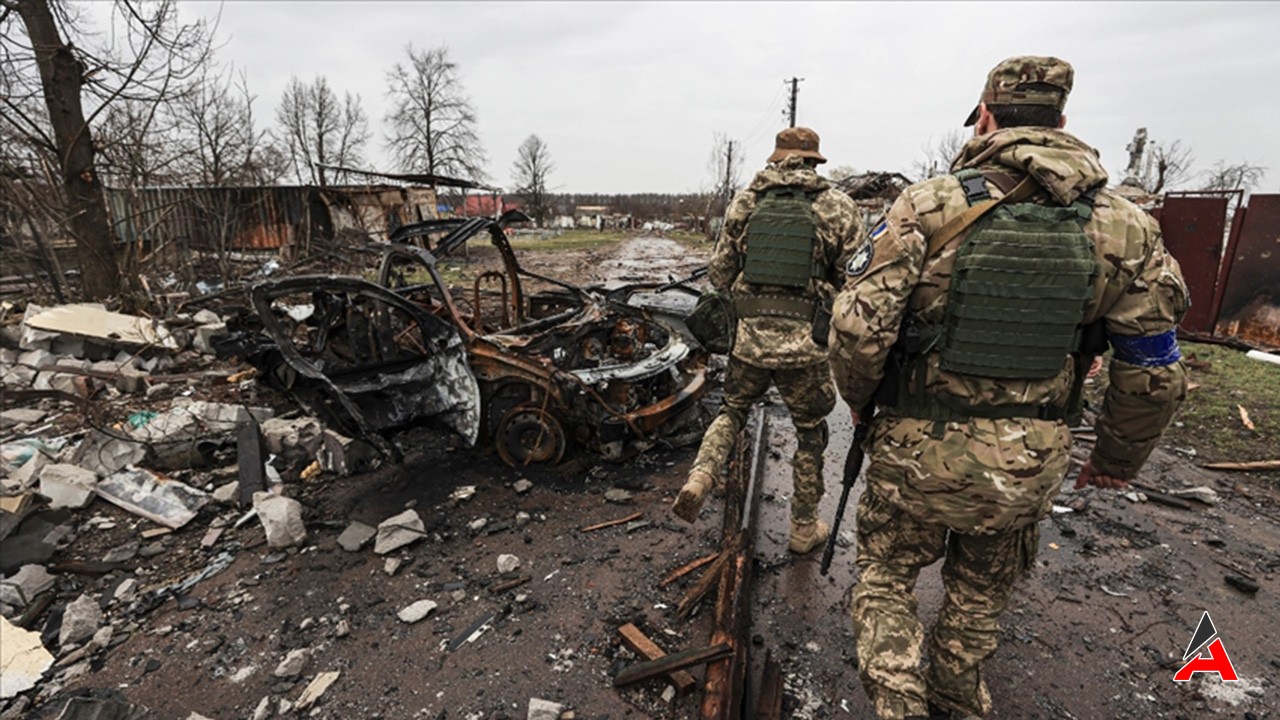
{"x":1233,"y":176}
{"x":532,"y":166}
{"x":841,"y":172}
{"x":1169,"y":166}
{"x":724,"y":165}
{"x":433,"y":126}
{"x":62,"y":81}
{"x":220,"y":142}
{"x":319,"y":130}
{"x":938,"y":155}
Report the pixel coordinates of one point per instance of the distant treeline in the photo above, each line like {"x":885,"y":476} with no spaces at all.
{"x":641,"y":206}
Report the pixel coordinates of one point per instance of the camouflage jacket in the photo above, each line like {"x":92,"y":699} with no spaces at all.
{"x":773,"y":342}
{"x":986,"y":475}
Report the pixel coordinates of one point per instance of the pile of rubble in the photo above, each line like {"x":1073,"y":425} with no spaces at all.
{"x":100,"y":406}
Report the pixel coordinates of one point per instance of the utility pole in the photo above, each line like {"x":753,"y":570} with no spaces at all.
{"x":791,"y":108}
{"x":728,"y":173}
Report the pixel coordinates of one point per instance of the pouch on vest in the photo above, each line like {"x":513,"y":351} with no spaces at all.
{"x":1022,"y":279}
{"x":712,"y":322}
{"x":780,"y":236}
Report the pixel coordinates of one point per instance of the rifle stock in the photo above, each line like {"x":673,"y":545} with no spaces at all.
{"x":852,"y":466}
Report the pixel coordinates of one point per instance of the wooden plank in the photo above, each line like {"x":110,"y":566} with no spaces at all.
{"x":687,"y":568}
{"x":641,"y":645}
{"x":699,"y":589}
{"x":671,"y":663}
{"x":611,"y":523}
{"x":1255,"y":465}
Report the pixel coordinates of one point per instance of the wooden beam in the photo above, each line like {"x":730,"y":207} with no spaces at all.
{"x":770,"y":702}
{"x":641,"y":645}
{"x":671,"y":663}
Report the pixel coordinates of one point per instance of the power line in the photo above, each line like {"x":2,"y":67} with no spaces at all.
{"x":768,"y":113}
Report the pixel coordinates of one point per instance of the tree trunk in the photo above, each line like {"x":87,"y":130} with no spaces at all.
{"x":61,"y":76}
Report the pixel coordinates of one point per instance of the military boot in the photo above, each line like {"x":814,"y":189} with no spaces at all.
{"x":807,"y":536}
{"x":689,"y":501}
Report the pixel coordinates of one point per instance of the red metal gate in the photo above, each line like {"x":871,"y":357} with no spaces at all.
{"x":1194,"y":232}
{"x":1249,"y":304}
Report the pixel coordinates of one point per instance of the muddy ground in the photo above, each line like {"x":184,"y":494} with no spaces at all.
{"x":1096,"y":631}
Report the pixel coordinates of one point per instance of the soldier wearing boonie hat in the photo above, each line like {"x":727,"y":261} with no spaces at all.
{"x":988,"y":292}
{"x":781,"y":256}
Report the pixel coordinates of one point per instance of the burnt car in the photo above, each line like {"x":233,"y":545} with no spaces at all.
{"x":528,"y":371}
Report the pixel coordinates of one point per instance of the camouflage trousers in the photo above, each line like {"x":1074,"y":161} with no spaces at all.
{"x":809,"y":393}
{"x":978,"y":575}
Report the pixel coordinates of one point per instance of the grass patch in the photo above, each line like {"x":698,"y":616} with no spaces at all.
{"x":570,"y":240}
{"x":1222,"y":380}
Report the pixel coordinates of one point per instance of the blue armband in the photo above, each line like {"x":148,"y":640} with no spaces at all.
{"x":1148,"y":350}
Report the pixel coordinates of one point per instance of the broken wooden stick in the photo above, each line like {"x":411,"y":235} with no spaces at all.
{"x":641,"y":645}
{"x":703,"y":586}
{"x":687,"y":568}
{"x":1255,"y":465}
{"x":611,"y":523}
{"x":670,"y":663}
{"x":510,"y":584}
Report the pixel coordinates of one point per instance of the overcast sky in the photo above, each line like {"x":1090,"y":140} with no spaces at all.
{"x":628,"y":96}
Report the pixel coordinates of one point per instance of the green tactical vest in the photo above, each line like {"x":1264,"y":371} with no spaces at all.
{"x":1018,"y":292}
{"x":1022,"y":279}
{"x":780,"y":237}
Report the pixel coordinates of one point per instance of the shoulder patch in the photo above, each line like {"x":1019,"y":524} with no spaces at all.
{"x":861,"y":260}
{"x":879,"y":230}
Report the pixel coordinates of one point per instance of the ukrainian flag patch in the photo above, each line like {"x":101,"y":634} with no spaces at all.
{"x":880,"y":230}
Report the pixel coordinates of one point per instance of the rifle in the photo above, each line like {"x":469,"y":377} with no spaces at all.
{"x":852,"y":466}
{"x":697,"y":275}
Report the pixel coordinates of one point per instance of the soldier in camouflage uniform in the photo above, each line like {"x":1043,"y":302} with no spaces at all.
{"x":965,"y":463}
{"x":773,"y":343}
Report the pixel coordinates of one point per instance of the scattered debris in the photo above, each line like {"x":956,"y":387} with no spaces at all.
{"x":641,"y":645}
{"x":1245,"y":585}
{"x":67,"y":486}
{"x":522,"y":486}
{"x":315,"y":689}
{"x":612,"y":523}
{"x":417,"y":611}
{"x":356,"y":536}
{"x":544,"y":710}
{"x":398,"y":531}
{"x":1255,"y":466}
{"x":1244,"y":418}
{"x":1267,"y":357}
{"x":163,"y":501}
{"x":510,"y":584}
{"x":671,"y":663}
{"x":80,"y":621}
{"x":617,"y":495}
{"x":1111,"y":592}
{"x":1201,"y":493}
{"x":687,"y":568}
{"x":466,"y":492}
{"x":23,"y":659}
{"x":472,"y":633}
{"x":281,"y":517}
{"x":293,"y":664}
{"x":508,"y":564}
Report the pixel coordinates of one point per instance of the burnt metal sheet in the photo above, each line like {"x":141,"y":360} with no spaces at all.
{"x":1251,"y":279}
{"x":1193,"y":229}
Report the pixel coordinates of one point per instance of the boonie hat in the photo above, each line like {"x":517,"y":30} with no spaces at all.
{"x":1007,"y":83}
{"x":796,"y":141}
